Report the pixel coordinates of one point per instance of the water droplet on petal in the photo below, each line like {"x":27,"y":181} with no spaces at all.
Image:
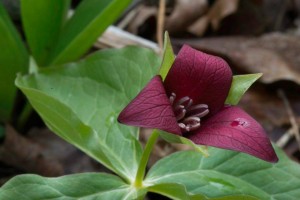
{"x":235,"y":123}
{"x":240,"y":122}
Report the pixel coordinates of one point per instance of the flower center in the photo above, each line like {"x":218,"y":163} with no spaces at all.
{"x":188,"y":115}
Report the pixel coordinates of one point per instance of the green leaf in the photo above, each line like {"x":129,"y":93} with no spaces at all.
{"x":178,"y":191}
{"x":86,"y":186}
{"x":13,"y":59}
{"x":174,"y":191}
{"x":172,"y":138}
{"x":229,"y":173}
{"x":235,"y":197}
{"x":81,"y":102}
{"x":89,"y":21}
{"x":240,"y":84}
{"x":168,"y":57}
{"x":42,"y":22}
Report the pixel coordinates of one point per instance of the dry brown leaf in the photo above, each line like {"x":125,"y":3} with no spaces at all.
{"x":200,"y":26}
{"x":219,"y":10}
{"x":276,"y":55}
{"x":26,"y":155}
{"x":270,"y":63}
{"x":142,"y":14}
{"x":71,"y":158}
{"x":44,"y":153}
{"x":184,"y":14}
{"x":114,"y":37}
{"x":266,"y":107}
{"x":276,"y":14}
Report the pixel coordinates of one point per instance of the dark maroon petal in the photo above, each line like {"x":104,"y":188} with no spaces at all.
{"x":234,"y":129}
{"x":204,"y":78}
{"x":151,"y":108}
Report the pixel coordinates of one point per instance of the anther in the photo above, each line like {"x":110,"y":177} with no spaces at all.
{"x":188,"y":116}
{"x":172,"y":98}
{"x":179,"y":107}
{"x":182,"y":125}
{"x":181,"y":114}
{"x":182,"y":100}
{"x":198,"y":106}
{"x":189,"y":104}
{"x":192,"y":127}
{"x":201,"y":114}
{"x":191,"y":120}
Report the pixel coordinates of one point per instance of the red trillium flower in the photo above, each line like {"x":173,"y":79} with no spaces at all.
{"x":190,"y":103}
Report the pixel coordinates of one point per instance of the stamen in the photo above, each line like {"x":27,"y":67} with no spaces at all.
{"x":172,"y":98}
{"x":182,"y":125}
{"x":179,"y":107}
{"x":192,"y":127}
{"x":198,"y":106}
{"x":189,"y":104}
{"x":181,"y":115}
{"x":182,"y":100}
{"x":201,"y":114}
{"x":188,"y":115}
{"x":191,"y":120}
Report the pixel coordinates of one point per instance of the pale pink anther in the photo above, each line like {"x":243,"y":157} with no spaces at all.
{"x":172,"y":98}
{"x":188,"y":115}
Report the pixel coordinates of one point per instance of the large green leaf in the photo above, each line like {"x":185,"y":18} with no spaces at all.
{"x":13,"y":59}
{"x":178,"y":192}
{"x":86,"y":186}
{"x":81,"y":102}
{"x":229,"y":173}
{"x":172,"y":138}
{"x":42,"y":22}
{"x":90,"y":19}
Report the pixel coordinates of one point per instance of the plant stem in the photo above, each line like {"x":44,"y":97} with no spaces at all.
{"x":24,"y":116}
{"x":33,"y":67}
{"x":145,"y":157}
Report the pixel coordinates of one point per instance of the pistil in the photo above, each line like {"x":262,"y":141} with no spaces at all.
{"x":188,"y":115}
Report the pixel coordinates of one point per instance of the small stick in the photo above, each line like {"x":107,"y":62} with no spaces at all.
{"x":127,"y":19}
{"x":160,"y":23}
{"x":295,"y":127}
{"x":285,"y":138}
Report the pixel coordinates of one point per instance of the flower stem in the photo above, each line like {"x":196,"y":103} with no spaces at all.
{"x":145,"y":157}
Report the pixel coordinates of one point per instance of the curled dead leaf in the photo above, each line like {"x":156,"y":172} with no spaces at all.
{"x":270,"y":63}
{"x":27,"y":155}
{"x":141,"y":15}
{"x":184,"y":14}
{"x":266,"y":107}
{"x":275,"y":54}
{"x":219,"y":10}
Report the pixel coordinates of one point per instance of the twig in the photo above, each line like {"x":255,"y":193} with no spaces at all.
{"x":127,"y":19}
{"x":160,"y":23}
{"x":285,"y":138}
{"x":295,"y":127}
{"x":280,"y":15}
{"x":132,"y":7}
